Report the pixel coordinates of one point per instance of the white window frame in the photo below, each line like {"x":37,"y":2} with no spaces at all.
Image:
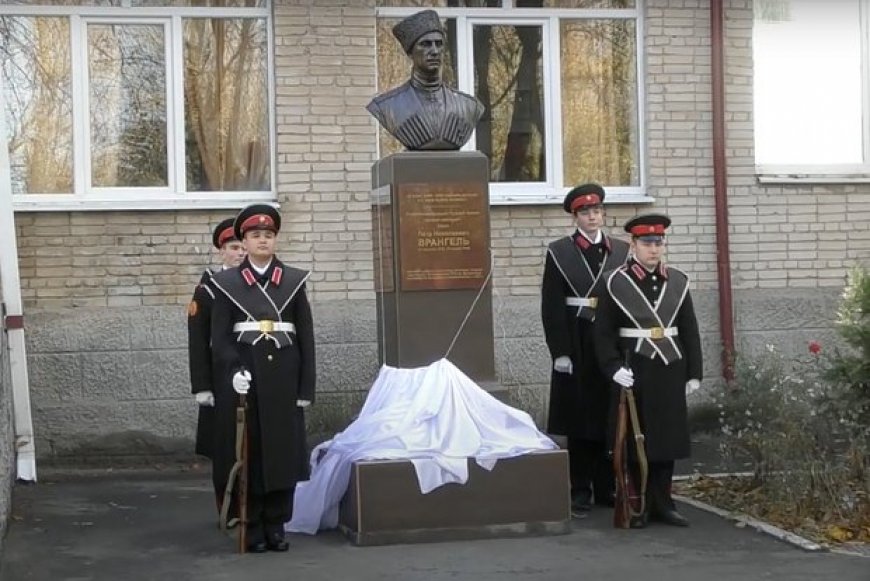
{"x":553,"y":190}
{"x":175,"y":196}
{"x":833,"y":173}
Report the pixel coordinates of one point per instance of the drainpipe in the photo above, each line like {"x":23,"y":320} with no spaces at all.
{"x":720,"y":190}
{"x":13,"y":317}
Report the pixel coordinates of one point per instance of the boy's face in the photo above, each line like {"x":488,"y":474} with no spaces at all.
{"x":647,"y":251}
{"x":232,"y":253}
{"x":589,"y":219}
{"x":260,"y":245}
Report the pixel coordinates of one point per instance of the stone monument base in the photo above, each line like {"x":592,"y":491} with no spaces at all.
{"x":523,"y":496}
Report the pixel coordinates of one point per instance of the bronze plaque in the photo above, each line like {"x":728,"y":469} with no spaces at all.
{"x":444,"y":235}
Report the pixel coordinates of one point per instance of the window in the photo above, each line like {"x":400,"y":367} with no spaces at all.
{"x":559,"y":80}
{"x":113,"y":104}
{"x":812,"y":89}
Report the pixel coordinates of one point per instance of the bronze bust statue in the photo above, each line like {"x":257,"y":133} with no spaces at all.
{"x":424,"y":113}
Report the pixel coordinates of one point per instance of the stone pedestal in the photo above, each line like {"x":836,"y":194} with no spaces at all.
{"x":524,"y":496}
{"x":430,"y":228}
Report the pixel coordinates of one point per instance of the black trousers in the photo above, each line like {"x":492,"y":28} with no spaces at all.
{"x":267,"y":513}
{"x":591,"y":470}
{"x":658,"y":491}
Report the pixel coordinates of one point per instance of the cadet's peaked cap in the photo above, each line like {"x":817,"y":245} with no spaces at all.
{"x":257,"y":217}
{"x":223,"y":233}
{"x":583,"y":195}
{"x":644,"y":225}
{"x":410,"y":29}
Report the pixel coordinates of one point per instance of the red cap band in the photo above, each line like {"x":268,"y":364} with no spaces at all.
{"x":226,"y":234}
{"x":260,"y":221}
{"x":585,"y":200}
{"x":647,"y":229}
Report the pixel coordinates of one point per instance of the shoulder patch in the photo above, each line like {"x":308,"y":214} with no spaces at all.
{"x":192,"y":308}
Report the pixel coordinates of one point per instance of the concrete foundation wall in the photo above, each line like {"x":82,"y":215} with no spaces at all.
{"x":122,"y":392}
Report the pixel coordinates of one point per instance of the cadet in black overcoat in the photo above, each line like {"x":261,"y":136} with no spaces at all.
{"x":647,"y":311}
{"x":263,"y":338}
{"x":579,"y":393}
{"x":199,"y":309}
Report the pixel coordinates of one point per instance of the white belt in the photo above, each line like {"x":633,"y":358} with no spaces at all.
{"x":264,"y":326}
{"x":653,"y":333}
{"x":591,"y":302}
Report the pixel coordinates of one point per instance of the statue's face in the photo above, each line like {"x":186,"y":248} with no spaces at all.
{"x":428,"y":53}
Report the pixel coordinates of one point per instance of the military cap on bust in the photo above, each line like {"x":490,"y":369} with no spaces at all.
{"x":582,"y":196}
{"x":223,"y":233}
{"x":410,"y":29}
{"x":257,"y":217}
{"x":648,"y":226}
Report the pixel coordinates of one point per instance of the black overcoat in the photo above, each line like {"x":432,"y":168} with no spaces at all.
{"x":659,"y":387}
{"x":200,"y":359}
{"x":579,"y":401}
{"x":282,"y":369}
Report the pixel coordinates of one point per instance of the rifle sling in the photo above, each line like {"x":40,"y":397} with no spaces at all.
{"x":639,"y":442}
{"x":234,"y":471}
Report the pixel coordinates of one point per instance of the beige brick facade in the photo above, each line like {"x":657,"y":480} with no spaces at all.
{"x":781,"y":235}
{"x":787,"y":240}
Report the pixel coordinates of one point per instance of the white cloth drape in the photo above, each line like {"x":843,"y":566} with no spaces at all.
{"x":434,"y":416}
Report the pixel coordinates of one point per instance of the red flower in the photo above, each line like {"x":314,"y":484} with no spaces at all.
{"x":815,"y":347}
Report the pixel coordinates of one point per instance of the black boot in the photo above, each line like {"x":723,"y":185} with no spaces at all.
{"x":275,"y":540}
{"x":581,"y":503}
{"x":670,"y":516}
{"x":256,"y":538}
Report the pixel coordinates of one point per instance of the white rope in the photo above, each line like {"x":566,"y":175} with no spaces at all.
{"x":471,"y":308}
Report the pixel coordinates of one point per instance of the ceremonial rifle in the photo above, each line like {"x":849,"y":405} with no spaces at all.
{"x":630,"y":502}
{"x":239,"y":472}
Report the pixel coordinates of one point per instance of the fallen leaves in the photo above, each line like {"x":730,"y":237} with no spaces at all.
{"x":805,"y":515}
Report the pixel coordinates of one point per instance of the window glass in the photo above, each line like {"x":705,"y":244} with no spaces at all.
{"x":226,"y":104}
{"x":127,"y":97}
{"x":509,"y":80}
{"x":599,"y":102}
{"x":35,"y":61}
{"x":807,"y":83}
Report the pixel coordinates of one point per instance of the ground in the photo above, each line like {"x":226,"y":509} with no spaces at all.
{"x":146,"y":525}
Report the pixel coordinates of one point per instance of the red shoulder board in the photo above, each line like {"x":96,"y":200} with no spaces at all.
{"x":277,"y":272}
{"x":639,"y":272}
{"x":663,"y":270}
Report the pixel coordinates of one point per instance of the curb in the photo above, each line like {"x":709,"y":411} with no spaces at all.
{"x":769,"y":529}
{"x":760,"y":526}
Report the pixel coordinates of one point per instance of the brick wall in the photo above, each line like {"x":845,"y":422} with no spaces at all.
{"x":791,"y":244}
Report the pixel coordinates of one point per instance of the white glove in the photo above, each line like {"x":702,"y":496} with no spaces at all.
{"x":563,"y":364}
{"x":692,"y":386}
{"x":303,"y":403}
{"x":205,"y":399}
{"x":624,"y":377}
{"x":242,"y":382}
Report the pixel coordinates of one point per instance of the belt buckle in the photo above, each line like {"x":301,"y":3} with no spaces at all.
{"x":593,"y":302}
{"x":656,"y":333}
{"x":267,"y":327}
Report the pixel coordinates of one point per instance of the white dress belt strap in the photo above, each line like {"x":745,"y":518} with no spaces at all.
{"x":652,"y":333}
{"x":590,"y":302}
{"x":264,"y":326}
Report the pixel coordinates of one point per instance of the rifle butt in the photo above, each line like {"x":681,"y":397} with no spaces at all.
{"x":621,"y":506}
